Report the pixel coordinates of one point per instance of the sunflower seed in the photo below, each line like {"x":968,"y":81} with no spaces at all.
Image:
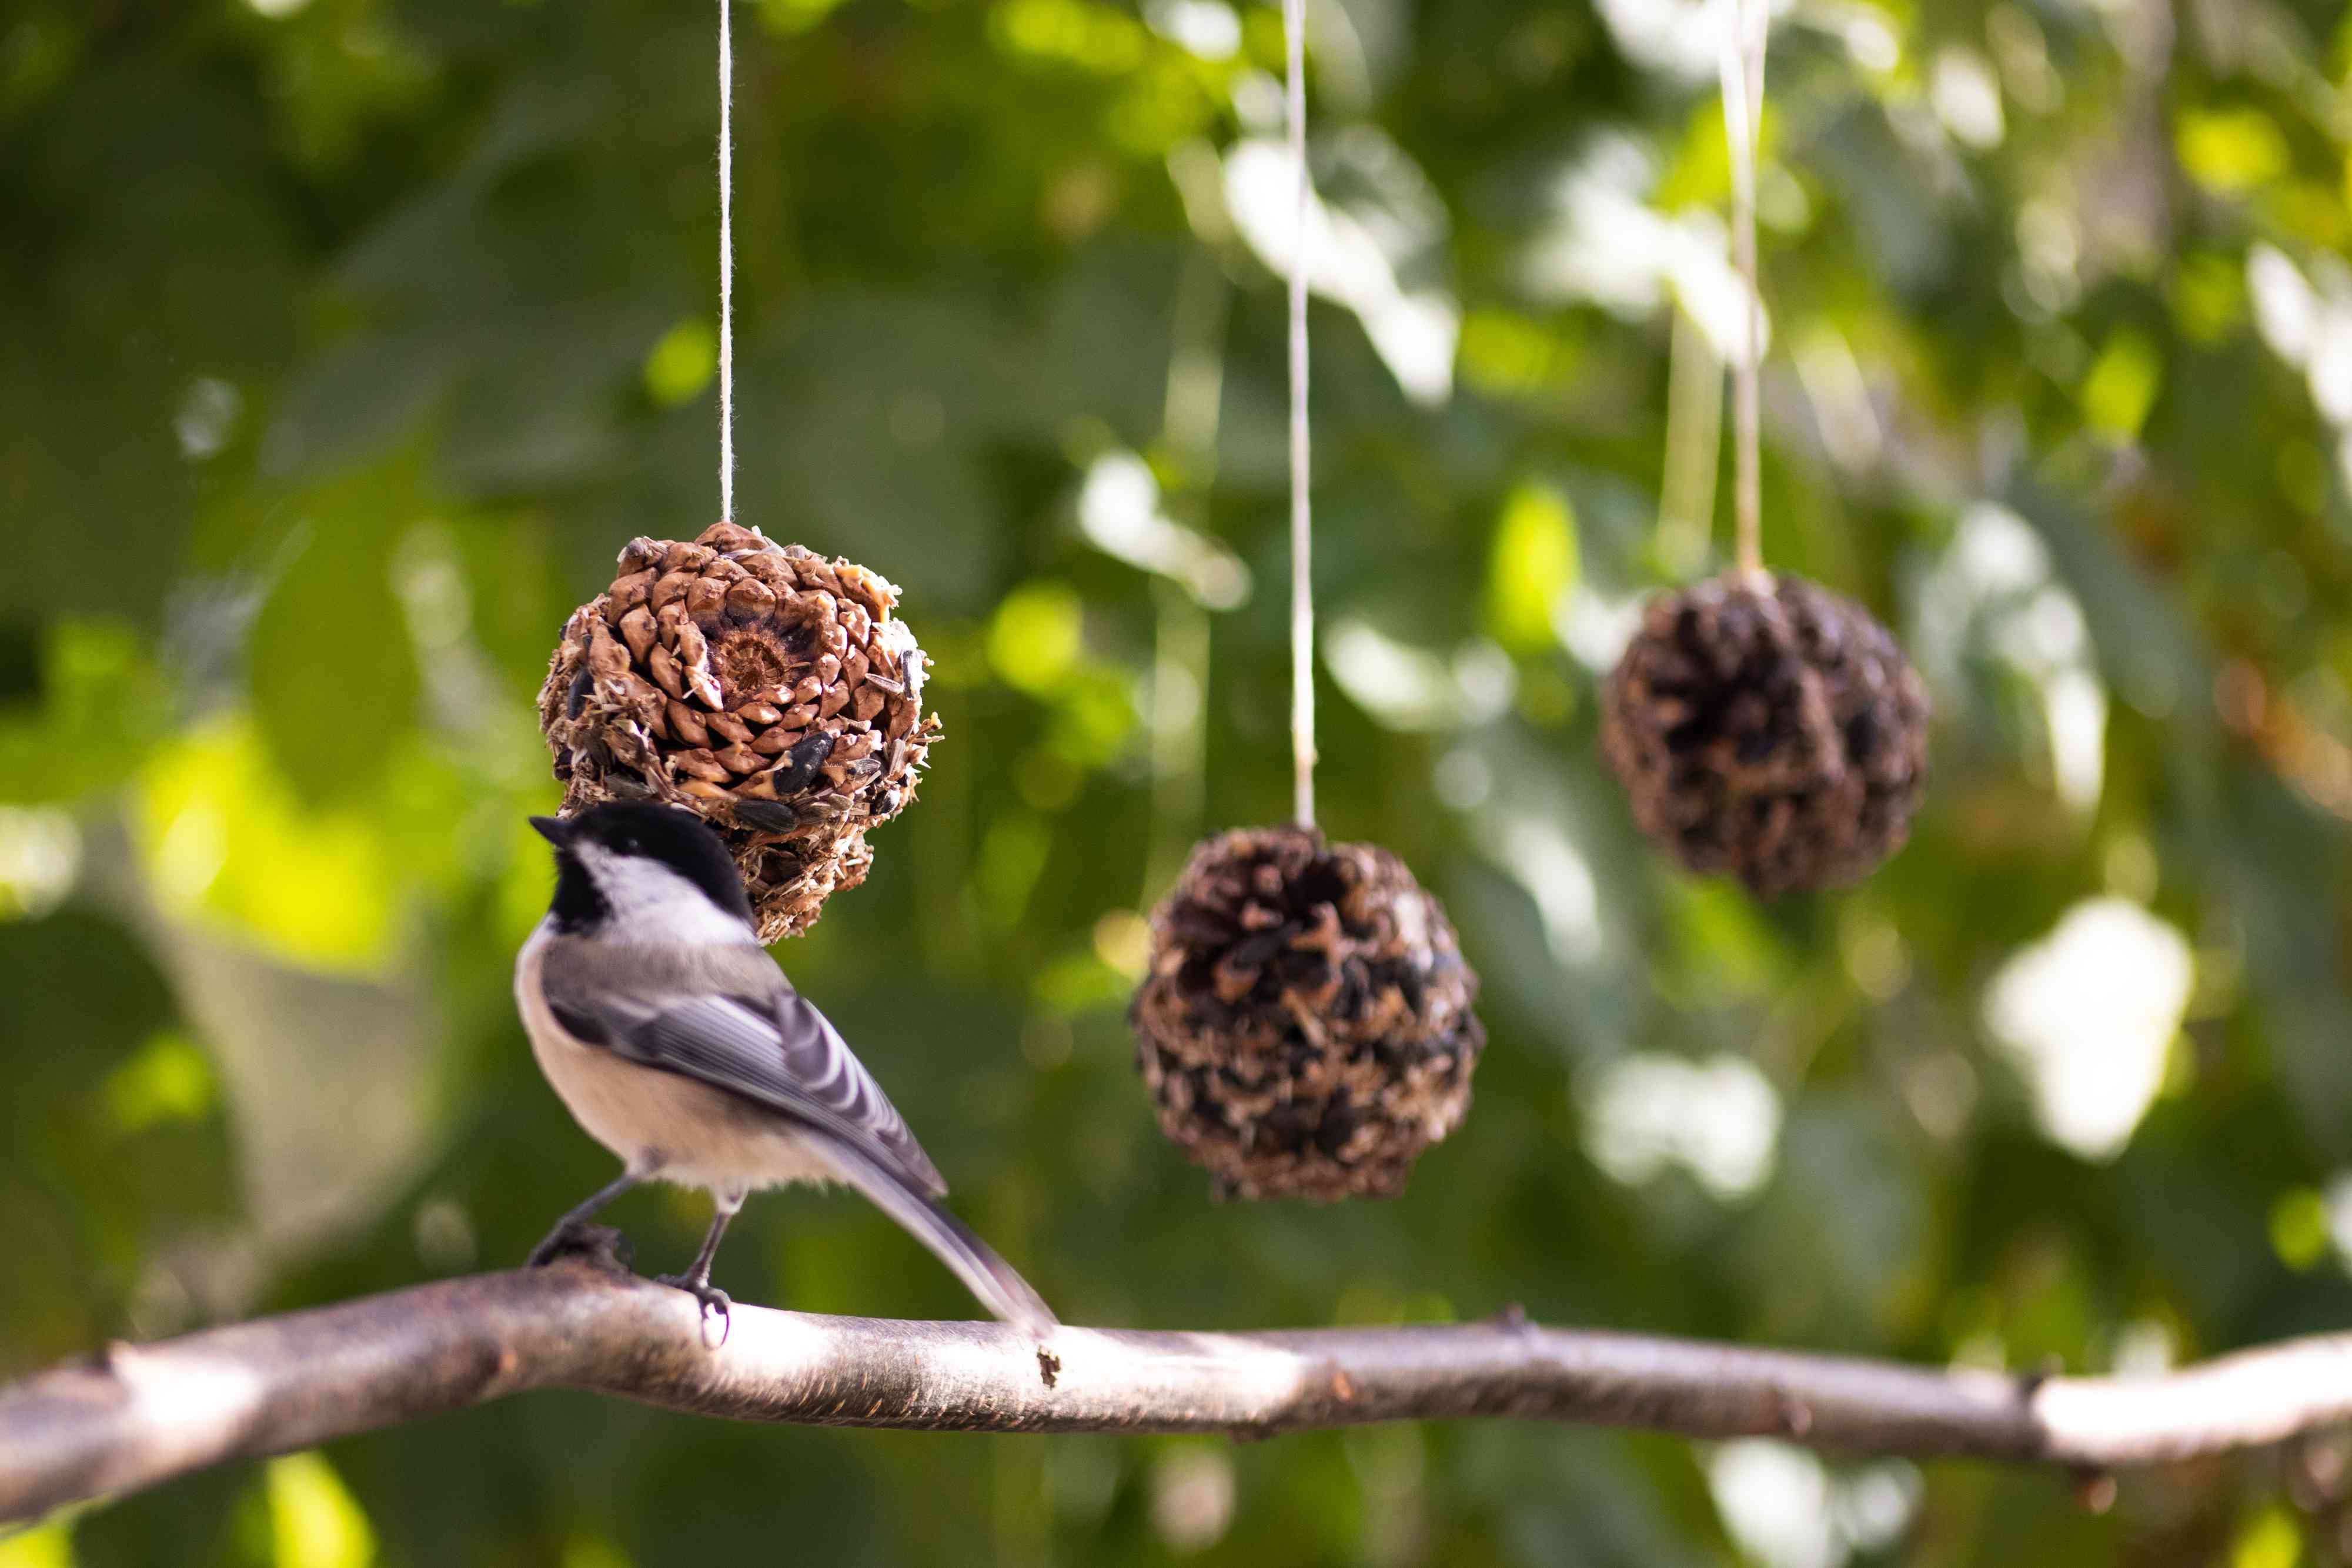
{"x":802,"y":763}
{"x":766,"y":816}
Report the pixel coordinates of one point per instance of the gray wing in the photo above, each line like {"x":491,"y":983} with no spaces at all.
{"x":756,"y":1038}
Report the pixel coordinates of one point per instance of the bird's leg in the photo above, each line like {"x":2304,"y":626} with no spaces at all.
{"x":696,"y":1281}
{"x":566,"y":1234}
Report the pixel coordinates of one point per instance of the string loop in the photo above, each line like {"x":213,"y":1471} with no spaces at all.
{"x":1302,"y":576}
{"x":726,"y":266}
{"x":1745,"y":25}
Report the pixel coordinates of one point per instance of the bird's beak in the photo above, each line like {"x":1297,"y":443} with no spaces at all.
{"x":554,"y":830}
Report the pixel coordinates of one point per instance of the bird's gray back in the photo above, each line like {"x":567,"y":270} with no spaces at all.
{"x":728,"y":1017}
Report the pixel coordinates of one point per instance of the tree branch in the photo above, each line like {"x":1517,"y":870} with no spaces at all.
{"x":138,"y":1415}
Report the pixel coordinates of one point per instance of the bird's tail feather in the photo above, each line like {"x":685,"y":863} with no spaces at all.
{"x":1000,"y":1289}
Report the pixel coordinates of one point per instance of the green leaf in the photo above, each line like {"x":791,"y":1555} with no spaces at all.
{"x":333,"y":674}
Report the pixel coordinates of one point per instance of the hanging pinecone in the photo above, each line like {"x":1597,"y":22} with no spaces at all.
{"x":1306,"y":1028}
{"x":759,"y":685}
{"x":1769,"y":729}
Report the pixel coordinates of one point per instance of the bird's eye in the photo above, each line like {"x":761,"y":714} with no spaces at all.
{"x":627,"y":844}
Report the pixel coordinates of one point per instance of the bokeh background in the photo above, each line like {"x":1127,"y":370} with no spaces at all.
{"x":347,"y":340}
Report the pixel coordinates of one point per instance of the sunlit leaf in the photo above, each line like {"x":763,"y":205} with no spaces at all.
{"x":2268,"y":1540}
{"x":2231,"y":150}
{"x":333,"y":677}
{"x":1531,"y":566}
{"x":2122,"y":385}
{"x":314,"y":1522}
{"x":102,"y":704}
{"x":48,"y":1546}
{"x":681,"y":364}
{"x":2298,"y":1224}
{"x":169,"y":1080}
{"x":1036,"y":638}
{"x":227,"y":840}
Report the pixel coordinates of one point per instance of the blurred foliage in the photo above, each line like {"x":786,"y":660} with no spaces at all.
{"x":348,"y":340}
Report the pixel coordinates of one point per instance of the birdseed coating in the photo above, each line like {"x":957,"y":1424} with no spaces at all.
{"x":1305,"y":1029}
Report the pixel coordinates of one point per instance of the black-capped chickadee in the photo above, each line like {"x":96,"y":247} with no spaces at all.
{"x":678,"y":1045}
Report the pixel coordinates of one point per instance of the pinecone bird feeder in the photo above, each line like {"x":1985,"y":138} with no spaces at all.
{"x":1306,"y":1027}
{"x":1769,"y":729}
{"x":765,"y":689}
{"x":1764,"y":726}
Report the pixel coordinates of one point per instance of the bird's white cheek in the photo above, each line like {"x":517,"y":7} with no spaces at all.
{"x":649,"y":901}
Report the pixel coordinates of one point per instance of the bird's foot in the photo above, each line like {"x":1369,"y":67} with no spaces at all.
{"x":598,"y":1244}
{"x":713,"y":1301}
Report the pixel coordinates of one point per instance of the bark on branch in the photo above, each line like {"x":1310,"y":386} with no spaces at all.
{"x":137,"y":1414}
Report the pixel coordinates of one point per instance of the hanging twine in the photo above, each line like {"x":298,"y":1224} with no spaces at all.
{"x":725,"y":268}
{"x":1302,"y":589}
{"x":1742,"y":66}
